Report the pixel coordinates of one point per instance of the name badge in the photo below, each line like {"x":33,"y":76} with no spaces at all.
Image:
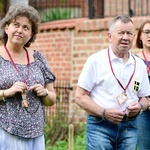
{"x":122,"y":98}
{"x":24,"y":100}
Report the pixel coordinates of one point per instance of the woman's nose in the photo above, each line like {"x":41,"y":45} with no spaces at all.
{"x":19,"y":29}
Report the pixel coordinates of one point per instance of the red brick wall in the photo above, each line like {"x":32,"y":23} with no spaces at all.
{"x":67,"y":44}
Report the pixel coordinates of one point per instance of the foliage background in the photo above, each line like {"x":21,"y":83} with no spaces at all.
{"x":79,"y":138}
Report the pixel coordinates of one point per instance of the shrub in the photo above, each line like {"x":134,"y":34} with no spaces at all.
{"x":79,"y":139}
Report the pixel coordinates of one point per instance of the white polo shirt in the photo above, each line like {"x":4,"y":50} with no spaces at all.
{"x":97,"y":78}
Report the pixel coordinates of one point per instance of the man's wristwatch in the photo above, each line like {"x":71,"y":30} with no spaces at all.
{"x":142,"y":108}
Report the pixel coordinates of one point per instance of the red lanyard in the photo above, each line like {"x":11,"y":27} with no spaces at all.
{"x":28,"y":65}
{"x":117,"y":78}
{"x":147,"y":64}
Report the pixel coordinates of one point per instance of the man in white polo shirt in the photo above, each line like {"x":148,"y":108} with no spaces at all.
{"x":112,"y":88}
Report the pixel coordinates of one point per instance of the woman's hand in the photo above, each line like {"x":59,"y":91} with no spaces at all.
{"x":15,"y":88}
{"x":48,"y":96}
{"x":38,"y":89}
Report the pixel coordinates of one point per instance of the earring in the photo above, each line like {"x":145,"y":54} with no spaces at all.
{"x":141,"y":43}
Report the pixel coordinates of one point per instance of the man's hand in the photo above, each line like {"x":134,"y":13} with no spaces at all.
{"x":133,"y":109}
{"x":114,"y":115}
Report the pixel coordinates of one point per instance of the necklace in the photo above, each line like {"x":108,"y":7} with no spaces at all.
{"x":24,"y":96}
{"x":147,"y":64}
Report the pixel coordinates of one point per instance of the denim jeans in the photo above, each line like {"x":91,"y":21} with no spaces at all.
{"x":104,"y":135}
{"x":144,"y":130}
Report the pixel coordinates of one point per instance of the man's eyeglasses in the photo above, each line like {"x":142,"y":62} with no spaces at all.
{"x":146,"y":32}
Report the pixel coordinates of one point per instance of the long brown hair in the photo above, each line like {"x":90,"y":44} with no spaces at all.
{"x":139,"y":43}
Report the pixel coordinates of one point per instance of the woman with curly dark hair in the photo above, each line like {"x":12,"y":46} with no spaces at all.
{"x":26,"y":82}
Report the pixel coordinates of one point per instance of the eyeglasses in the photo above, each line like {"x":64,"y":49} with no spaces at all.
{"x":146,"y":32}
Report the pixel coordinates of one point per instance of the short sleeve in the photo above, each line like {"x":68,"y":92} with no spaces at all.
{"x":49,"y":77}
{"x":87,"y":78}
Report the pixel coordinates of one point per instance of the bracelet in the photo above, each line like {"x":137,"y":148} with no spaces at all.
{"x":142,"y":108}
{"x":103,"y":114}
{"x":3,"y":96}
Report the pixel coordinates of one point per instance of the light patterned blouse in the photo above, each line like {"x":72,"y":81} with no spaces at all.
{"x":24,"y":122}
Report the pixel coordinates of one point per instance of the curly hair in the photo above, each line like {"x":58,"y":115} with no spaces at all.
{"x":18,"y":10}
{"x":139,"y":43}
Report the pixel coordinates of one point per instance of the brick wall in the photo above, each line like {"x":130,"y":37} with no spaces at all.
{"x":67,"y":44}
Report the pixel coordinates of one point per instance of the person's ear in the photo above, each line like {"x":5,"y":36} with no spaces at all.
{"x":109,"y":36}
{"x":6,"y":28}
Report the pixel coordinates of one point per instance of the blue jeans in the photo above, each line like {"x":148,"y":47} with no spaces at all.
{"x":144,"y":130}
{"x":104,"y":135}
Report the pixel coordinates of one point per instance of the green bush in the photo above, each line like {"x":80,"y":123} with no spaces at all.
{"x":57,"y":13}
{"x":79,"y":139}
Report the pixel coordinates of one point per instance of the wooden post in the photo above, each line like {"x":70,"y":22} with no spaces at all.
{"x":71,"y":136}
